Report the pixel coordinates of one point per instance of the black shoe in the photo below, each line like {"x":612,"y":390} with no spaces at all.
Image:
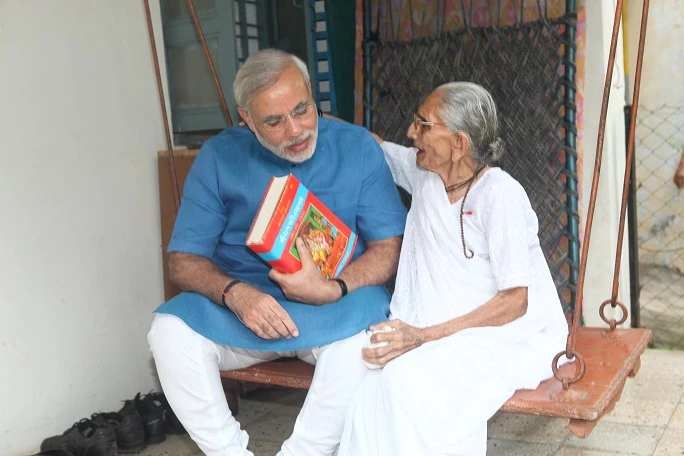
{"x":128,"y":425}
{"x":84,"y":438}
{"x":152,"y":412}
{"x":172,"y":424}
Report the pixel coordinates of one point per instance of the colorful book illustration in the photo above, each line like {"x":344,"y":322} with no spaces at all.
{"x":289,"y":210}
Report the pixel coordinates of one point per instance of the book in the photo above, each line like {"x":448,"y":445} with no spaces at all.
{"x":288,"y":210}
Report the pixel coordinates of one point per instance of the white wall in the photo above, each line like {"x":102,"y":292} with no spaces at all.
{"x":663,"y":68}
{"x":80,"y":268}
{"x":601,"y":261}
{"x":660,"y":130}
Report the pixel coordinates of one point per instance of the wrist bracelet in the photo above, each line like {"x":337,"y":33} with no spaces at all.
{"x":227,"y":288}
{"x":343,"y":286}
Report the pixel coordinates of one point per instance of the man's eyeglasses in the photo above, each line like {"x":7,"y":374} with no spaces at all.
{"x":422,"y":125}
{"x":299,"y":113}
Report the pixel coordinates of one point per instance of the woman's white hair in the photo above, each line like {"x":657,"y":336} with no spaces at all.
{"x":469,"y":108}
{"x":261,"y":70}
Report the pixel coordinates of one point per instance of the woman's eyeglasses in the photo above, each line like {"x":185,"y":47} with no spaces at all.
{"x":422,"y":125}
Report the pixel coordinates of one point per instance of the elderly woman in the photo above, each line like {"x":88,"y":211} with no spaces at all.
{"x":475,"y":313}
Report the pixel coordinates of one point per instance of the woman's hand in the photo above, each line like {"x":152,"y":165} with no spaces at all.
{"x":402,"y":339}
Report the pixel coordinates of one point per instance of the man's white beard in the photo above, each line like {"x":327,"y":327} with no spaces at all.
{"x":281,"y":151}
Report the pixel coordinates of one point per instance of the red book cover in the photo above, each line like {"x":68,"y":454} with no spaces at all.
{"x":289,"y":210}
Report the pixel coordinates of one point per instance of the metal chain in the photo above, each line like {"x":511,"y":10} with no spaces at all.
{"x":468,"y":253}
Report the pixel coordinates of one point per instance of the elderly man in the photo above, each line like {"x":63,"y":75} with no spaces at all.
{"x":234,"y":312}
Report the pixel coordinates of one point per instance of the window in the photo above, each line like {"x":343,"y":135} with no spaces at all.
{"x":249,"y":28}
{"x":234,"y":29}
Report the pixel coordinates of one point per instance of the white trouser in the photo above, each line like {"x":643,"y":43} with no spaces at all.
{"x":188,"y":366}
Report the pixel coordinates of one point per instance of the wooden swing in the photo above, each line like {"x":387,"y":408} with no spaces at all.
{"x":582,"y":390}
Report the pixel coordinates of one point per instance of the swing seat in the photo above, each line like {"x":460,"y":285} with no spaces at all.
{"x":609,"y":356}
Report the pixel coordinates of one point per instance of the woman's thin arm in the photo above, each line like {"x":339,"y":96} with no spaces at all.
{"x":402,"y":163}
{"x":504,"y":307}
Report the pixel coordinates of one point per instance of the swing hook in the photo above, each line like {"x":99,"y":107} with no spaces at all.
{"x":579,"y":371}
{"x":612,"y":322}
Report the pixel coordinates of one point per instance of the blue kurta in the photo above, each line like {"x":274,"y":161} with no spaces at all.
{"x":221,"y":195}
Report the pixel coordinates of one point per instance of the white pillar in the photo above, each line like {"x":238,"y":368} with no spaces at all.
{"x":604,"y":235}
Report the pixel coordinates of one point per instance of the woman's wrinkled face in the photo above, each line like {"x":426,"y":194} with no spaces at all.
{"x":431,"y":136}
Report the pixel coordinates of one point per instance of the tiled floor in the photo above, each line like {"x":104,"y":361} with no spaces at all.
{"x":648,"y":420}
{"x":662,"y":305}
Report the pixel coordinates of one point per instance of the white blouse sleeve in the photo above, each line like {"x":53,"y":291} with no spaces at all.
{"x":507,"y":226}
{"x":402,"y":163}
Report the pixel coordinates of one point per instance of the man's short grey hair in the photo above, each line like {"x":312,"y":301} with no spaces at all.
{"x":469,"y":108}
{"x":261,"y":70}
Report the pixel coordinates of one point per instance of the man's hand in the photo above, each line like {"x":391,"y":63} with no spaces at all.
{"x":306,"y":285}
{"x":404,"y":338}
{"x":260,"y":312}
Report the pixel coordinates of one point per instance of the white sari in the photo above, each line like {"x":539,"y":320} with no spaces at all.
{"x":436,"y":399}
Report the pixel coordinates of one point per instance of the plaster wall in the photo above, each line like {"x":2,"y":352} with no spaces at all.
{"x":660,"y":130}
{"x":79,"y":232}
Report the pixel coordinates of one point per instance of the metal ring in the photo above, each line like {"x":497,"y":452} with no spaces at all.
{"x":579,"y":372}
{"x":612,"y":322}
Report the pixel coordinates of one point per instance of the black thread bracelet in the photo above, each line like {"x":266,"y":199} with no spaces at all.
{"x":227,"y":288}
{"x":343,"y":286}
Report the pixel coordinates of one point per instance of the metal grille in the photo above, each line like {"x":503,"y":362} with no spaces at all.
{"x":660,"y":215}
{"x":523,"y":66}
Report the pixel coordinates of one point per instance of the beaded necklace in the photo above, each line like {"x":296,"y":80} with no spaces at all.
{"x":468,"y":253}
